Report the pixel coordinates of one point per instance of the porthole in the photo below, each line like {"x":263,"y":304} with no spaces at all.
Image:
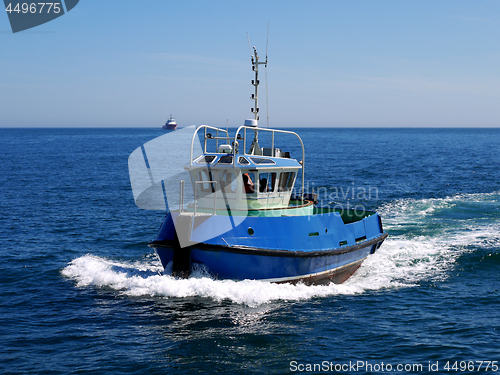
{"x":250,"y":231}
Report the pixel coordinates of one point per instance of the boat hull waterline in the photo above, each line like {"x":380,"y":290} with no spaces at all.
{"x":296,"y":251}
{"x":336,"y":267}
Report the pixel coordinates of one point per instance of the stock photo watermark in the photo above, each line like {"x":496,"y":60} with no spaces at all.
{"x":382,"y":367}
{"x":25,"y":15}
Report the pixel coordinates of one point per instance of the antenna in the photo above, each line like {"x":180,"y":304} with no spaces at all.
{"x":267,"y":44}
{"x":267,"y":101}
{"x":267,"y":95}
{"x":254,"y":148}
{"x":250,"y":46}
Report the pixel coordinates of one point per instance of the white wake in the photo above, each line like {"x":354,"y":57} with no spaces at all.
{"x":404,"y":260}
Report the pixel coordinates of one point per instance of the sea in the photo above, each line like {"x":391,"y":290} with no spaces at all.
{"x":82,"y":293}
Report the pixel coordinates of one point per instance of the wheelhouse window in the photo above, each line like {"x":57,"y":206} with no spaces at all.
{"x":227,"y":159}
{"x":206,"y":159}
{"x":267,"y":182}
{"x":263,"y":161}
{"x":286,"y":181}
{"x":248,"y":183}
{"x":228,"y":182}
{"x":243,"y":161}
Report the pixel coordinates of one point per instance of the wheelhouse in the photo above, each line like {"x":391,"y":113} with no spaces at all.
{"x":227,"y":179}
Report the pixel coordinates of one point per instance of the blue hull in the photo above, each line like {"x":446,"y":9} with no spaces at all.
{"x":225,"y":264}
{"x":313,"y":249}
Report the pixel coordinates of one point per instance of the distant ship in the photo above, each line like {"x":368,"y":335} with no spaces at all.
{"x":170,"y":124}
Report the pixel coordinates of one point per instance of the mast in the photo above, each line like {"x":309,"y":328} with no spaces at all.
{"x":255,"y":148}
{"x":255,"y":82}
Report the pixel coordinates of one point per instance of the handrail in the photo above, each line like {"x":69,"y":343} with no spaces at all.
{"x":205,"y":127}
{"x":181,"y":196}
{"x":272,"y":150}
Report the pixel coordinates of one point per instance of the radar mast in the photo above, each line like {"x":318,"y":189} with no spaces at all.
{"x":255,"y":82}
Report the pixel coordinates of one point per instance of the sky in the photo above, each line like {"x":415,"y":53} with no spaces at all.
{"x":131,"y":63}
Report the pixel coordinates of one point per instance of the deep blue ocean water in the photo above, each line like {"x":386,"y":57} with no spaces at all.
{"x":81,"y":293}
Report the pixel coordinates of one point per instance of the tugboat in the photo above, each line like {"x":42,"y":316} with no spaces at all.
{"x":244,"y":221}
{"x":171,"y":124}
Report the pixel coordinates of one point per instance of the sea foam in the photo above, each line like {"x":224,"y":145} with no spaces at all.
{"x":404,"y":260}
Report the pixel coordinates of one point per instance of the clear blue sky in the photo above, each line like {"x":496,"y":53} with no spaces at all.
{"x":124,"y":63}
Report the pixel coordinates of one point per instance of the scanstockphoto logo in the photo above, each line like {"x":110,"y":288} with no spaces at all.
{"x":24,"y":15}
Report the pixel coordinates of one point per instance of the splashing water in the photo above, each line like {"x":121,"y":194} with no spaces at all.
{"x":429,"y":235}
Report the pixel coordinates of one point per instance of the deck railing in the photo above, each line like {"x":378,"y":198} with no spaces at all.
{"x":217,"y":138}
{"x":237,"y":138}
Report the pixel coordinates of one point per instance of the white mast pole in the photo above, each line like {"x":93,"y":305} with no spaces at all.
{"x":255,"y":82}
